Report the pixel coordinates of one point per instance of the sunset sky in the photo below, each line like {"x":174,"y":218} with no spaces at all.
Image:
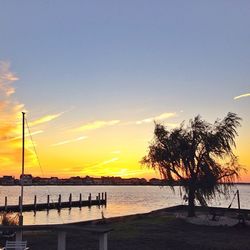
{"x":94,"y":75}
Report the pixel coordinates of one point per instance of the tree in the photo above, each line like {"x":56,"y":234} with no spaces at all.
{"x":199,"y":157}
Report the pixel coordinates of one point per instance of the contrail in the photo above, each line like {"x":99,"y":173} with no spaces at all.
{"x":241,"y":96}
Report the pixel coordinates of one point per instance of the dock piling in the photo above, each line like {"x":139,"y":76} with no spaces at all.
{"x":59,"y":201}
{"x":48,"y":202}
{"x":35,"y":203}
{"x":70,"y":200}
{"x":80,"y":200}
{"x":19,"y":203}
{"x":89,"y":199}
{"x":99,"y":198}
{"x":6,"y":203}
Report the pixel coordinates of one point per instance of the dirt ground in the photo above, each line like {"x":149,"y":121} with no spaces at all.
{"x":157,"y":231}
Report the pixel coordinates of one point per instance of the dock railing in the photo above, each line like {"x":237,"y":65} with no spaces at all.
{"x":62,"y":230}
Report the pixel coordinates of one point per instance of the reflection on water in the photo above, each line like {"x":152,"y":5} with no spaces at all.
{"x":122,"y":200}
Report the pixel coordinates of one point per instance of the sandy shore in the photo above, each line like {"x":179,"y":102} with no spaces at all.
{"x":159,"y":230}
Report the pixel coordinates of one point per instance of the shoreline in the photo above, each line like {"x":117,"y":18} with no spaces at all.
{"x":135,"y":185}
{"x":173,"y":210}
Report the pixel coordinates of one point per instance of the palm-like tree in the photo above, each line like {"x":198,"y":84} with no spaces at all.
{"x":195,"y":156}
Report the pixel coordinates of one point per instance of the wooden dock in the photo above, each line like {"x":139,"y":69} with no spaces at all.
{"x":101,"y":199}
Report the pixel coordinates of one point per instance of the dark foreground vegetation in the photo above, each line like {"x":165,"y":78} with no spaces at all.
{"x":159,"y":230}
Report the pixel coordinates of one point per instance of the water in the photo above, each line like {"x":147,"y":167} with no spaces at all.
{"x":122,"y":200}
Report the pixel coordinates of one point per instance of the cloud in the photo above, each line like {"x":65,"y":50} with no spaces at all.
{"x":241,"y":96}
{"x":160,"y":117}
{"x":69,"y":141}
{"x":100,"y":164}
{"x":109,"y":161}
{"x":6,"y":79}
{"x":97,"y":125}
{"x":31,"y":134}
{"x":44,"y":119}
{"x":10,"y":125}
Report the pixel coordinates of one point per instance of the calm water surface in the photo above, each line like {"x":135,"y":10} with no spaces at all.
{"x":122,"y":200}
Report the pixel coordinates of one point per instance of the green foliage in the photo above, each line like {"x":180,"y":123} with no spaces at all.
{"x":199,"y":156}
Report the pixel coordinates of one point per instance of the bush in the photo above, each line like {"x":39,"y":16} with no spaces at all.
{"x":9,"y":219}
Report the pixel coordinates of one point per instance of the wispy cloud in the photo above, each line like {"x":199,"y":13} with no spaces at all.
{"x":96,"y":125}
{"x":160,"y":117}
{"x":31,"y":134}
{"x":241,"y":96}
{"x":69,"y":141}
{"x":44,"y":119}
{"x":100,"y":164}
{"x":109,"y":161}
{"x":6,"y":79}
{"x":10,"y":125}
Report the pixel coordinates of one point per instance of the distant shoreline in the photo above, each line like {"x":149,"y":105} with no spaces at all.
{"x":133,"y":185}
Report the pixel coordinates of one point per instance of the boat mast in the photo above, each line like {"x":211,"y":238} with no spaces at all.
{"x":22,"y":175}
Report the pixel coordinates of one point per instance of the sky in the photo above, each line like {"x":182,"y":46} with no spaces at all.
{"x":92,"y":76}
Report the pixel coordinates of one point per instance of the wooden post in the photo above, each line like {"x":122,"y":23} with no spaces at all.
{"x":103,"y":241}
{"x":48,"y":201}
{"x":6,"y":203}
{"x":70,"y":200}
{"x":238,"y":198}
{"x":35,"y":203}
{"x":99,"y":198}
{"x":89,"y":199}
{"x":19,"y":203}
{"x":61,"y":241}
{"x":80,"y":200}
{"x":59,"y":201}
{"x":105,"y":197}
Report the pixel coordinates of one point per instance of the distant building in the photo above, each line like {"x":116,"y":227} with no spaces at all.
{"x":76,"y":180}
{"x":26,"y":179}
{"x":87,"y":180}
{"x":106,"y":180}
{"x":97,"y":181}
{"x":40,"y":181}
{"x":7,"y":180}
{"x":53,"y":181}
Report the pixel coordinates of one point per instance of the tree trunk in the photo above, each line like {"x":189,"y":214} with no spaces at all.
{"x":191,"y":205}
